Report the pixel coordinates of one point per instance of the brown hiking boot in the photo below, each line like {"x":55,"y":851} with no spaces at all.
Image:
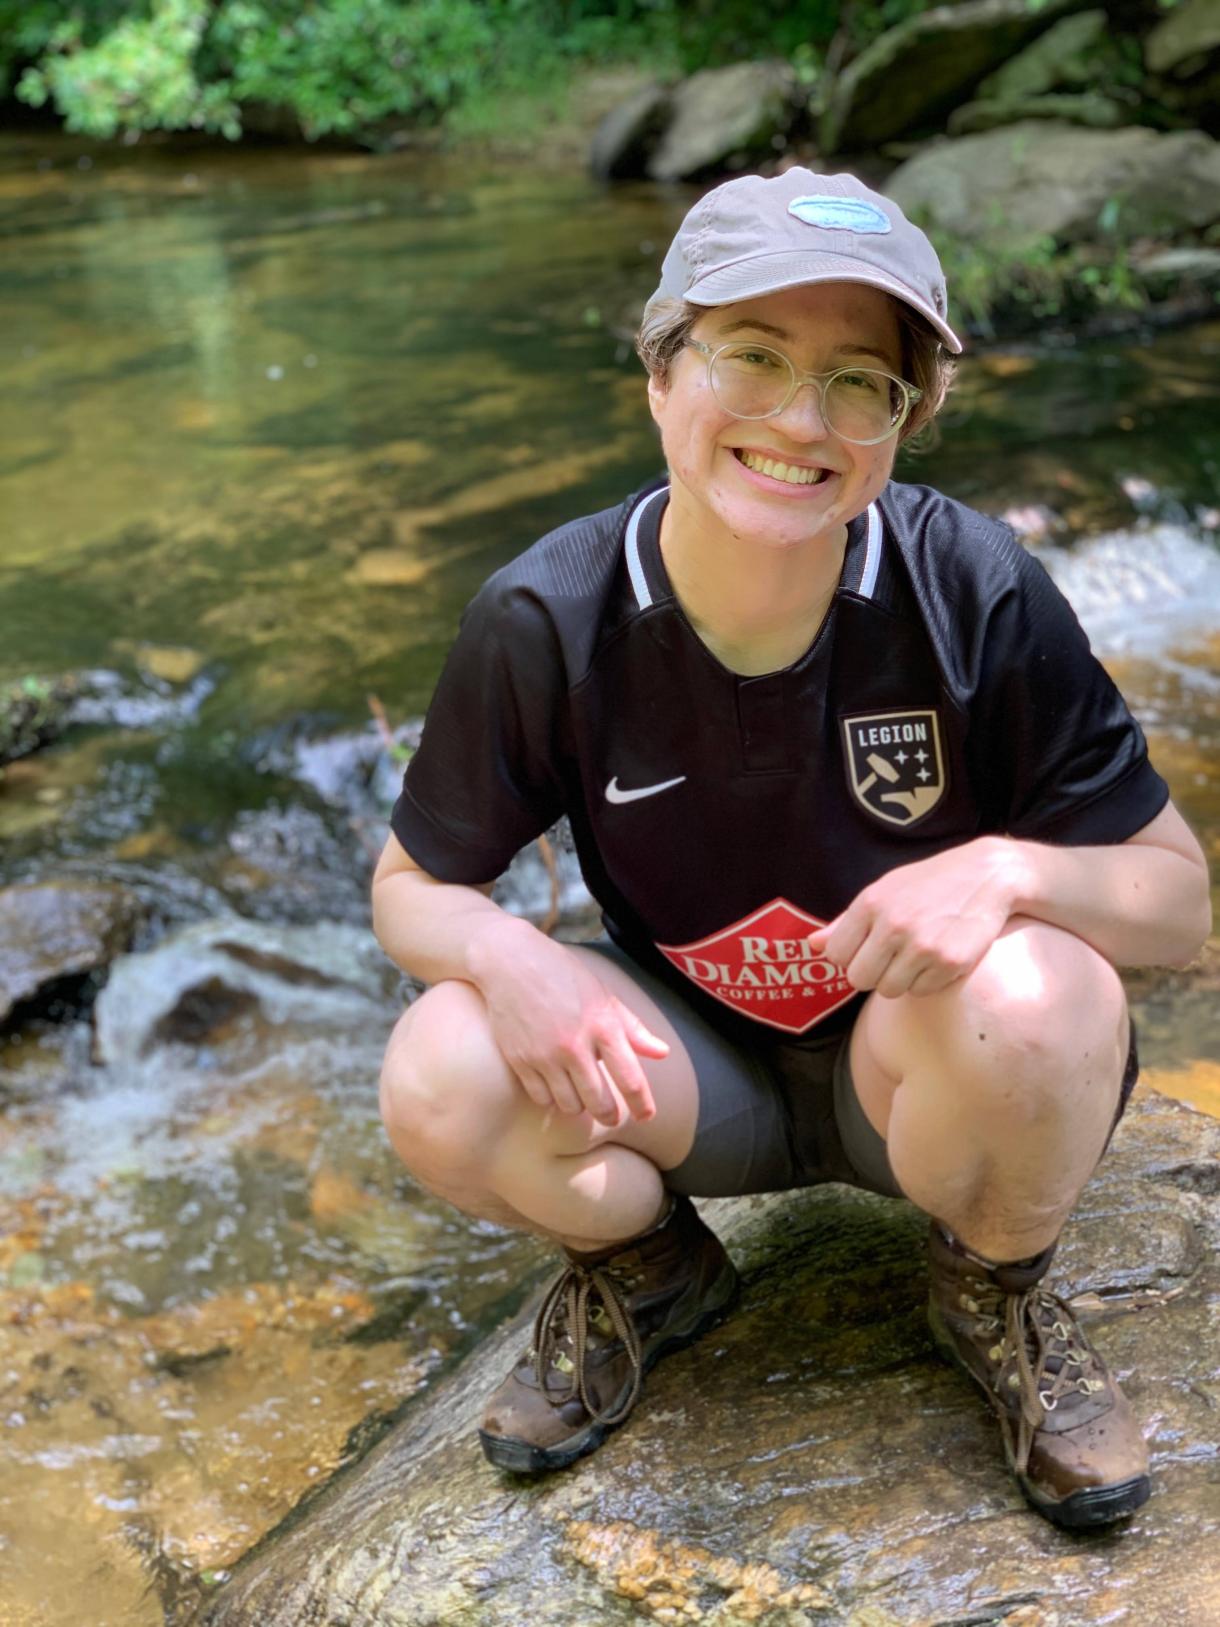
{"x":603,"y":1323}
{"x":1069,"y":1433}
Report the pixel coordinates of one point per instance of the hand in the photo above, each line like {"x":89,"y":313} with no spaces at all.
{"x":925,"y":925}
{"x":573,"y":1044}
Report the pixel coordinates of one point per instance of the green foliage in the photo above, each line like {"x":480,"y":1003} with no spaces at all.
{"x":138,"y":74}
{"x":1021,"y":286}
{"x":343,"y":66}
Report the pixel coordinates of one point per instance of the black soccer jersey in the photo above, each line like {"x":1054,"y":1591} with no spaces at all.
{"x":718,"y":819}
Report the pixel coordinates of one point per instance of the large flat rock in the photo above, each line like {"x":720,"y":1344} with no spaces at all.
{"x":811,"y":1462}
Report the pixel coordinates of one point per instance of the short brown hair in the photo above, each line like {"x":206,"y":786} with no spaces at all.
{"x":926,"y":363}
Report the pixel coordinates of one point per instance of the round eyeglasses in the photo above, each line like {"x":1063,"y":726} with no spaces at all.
{"x":859,"y":404}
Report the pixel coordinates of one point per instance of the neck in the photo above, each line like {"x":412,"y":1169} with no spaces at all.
{"x":757,"y":608}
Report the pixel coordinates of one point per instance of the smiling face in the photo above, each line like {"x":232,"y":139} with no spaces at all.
{"x":817,"y":482}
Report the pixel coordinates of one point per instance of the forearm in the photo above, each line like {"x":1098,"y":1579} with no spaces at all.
{"x":437,"y":930}
{"x":1138,"y":905}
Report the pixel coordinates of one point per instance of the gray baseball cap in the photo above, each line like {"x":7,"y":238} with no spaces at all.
{"x":756,"y":235}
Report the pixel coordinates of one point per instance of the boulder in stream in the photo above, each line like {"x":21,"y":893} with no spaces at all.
{"x":1183,"y":52}
{"x":32,"y":712}
{"x":202,"y":978}
{"x":624,"y":139}
{"x":910,"y":78}
{"x":1067,"y":56}
{"x":722,"y":118}
{"x":812,"y":1463}
{"x":53,"y":931}
{"x":1055,"y":180}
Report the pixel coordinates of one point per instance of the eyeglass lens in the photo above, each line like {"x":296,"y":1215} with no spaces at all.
{"x":859,"y":404}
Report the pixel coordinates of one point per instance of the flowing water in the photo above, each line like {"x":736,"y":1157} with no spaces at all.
{"x":269,"y":420}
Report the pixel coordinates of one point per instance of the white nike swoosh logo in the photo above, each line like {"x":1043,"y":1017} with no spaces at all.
{"x":613,"y":793}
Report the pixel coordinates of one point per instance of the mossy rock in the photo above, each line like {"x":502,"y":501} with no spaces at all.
{"x":33,"y":711}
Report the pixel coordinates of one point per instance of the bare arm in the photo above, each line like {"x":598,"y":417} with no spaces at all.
{"x":923,"y":925}
{"x":1144,"y":902}
{"x":571,"y":1043}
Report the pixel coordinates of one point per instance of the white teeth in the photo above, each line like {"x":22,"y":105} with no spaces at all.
{"x":782,"y":471}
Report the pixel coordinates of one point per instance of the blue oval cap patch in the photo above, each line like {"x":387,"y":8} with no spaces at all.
{"x":840,"y":214}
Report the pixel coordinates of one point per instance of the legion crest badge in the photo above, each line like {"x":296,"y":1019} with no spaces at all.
{"x":895,"y":766}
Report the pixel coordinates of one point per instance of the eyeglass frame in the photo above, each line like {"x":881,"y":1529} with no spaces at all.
{"x":911,"y":393}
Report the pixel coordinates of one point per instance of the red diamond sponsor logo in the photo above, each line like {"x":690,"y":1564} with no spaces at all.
{"x":762,"y":966}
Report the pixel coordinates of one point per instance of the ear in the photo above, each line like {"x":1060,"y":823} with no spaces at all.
{"x":658,"y":394}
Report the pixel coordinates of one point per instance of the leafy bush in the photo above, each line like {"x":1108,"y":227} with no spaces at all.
{"x":343,"y":66}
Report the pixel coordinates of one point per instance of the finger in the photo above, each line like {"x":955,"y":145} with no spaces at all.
{"x":869,"y":964}
{"x":901,"y":975}
{"x":642,"y":1039}
{"x":931,"y":980}
{"x":563,"y":1093}
{"x":817,"y":938}
{"x":845,"y":936}
{"x":595,"y":1094}
{"x":623,"y":1066}
{"x":534,"y":1086}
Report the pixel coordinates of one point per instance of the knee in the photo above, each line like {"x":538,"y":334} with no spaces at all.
{"x":1042,"y":1007}
{"x":1042,"y":994}
{"x":444,"y":1085}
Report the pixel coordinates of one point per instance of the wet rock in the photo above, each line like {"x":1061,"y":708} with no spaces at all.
{"x":811,"y":1462}
{"x":910,"y":78}
{"x":51,"y":931}
{"x":361,"y":772}
{"x":1088,"y":108}
{"x":32,"y":713}
{"x":722,"y":117}
{"x":1034,"y":179}
{"x":298,"y":864}
{"x":627,"y":135}
{"x":195,"y":983}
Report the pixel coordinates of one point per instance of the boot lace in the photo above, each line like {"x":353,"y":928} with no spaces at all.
{"x":1041,"y":1359}
{"x":585,"y":1306}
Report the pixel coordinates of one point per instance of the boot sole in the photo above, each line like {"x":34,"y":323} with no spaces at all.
{"x":1092,"y":1505}
{"x":520,"y":1457}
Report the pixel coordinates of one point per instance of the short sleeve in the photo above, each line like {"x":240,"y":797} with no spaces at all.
{"x":1055,"y":748}
{"x":484,"y":780}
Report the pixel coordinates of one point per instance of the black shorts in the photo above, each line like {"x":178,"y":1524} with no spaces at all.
{"x":777,"y":1114}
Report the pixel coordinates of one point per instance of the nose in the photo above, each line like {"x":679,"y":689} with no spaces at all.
{"x":804,"y":418}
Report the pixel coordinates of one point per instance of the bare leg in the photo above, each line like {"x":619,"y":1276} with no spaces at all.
{"x":996,"y":1095}
{"x":457,"y":1117}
